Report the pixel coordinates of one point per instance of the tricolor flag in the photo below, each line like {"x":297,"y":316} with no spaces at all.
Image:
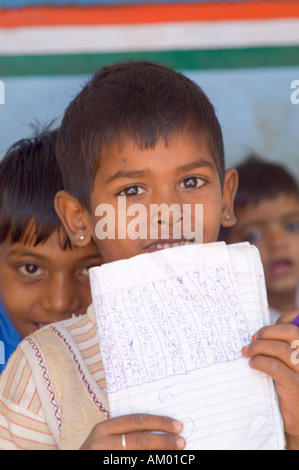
{"x":45,"y":40}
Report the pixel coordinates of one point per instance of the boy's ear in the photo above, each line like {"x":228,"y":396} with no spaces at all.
{"x":230,"y":187}
{"x":74,"y":218}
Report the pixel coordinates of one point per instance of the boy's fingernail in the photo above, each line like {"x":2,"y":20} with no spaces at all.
{"x":253,"y":337}
{"x":181,"y":443}
{"x":178,"y":426}
{"x":243,"y":350}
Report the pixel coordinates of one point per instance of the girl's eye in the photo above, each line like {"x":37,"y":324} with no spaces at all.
{"x":84,"y":272}
{"x":30,"y":270}
{"x":191,"y":182}
{"x":132,"y":191}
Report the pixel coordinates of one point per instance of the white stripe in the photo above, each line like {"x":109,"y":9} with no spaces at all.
{"x":166,"y":36}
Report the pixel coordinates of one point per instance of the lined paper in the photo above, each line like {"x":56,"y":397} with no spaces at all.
{"x":171,"y":326}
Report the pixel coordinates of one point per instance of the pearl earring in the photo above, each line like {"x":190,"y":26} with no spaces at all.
{"x":80,"y":237}
{"x":227,"y":217}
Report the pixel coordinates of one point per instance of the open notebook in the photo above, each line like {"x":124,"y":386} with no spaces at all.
{"x":171,"y":325}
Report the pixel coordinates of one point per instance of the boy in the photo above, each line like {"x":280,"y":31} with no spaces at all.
{"x":267,"y":211}
{"x":42,"y":277}
{"x":148,"y":134}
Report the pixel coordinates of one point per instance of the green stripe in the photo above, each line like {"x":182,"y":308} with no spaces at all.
{"x":68,"y":64}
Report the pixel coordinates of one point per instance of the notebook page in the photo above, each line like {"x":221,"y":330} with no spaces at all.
{"x":250,"y":281}
{"x":249,"y":272}
{"x":171,"y":326}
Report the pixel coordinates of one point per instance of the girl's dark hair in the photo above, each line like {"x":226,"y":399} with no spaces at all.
{"x":138,"y":100}
{"x":260,"y":179}
{"x":29,"y":179}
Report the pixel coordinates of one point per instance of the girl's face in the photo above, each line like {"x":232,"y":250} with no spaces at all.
{"x":44,"y":283}
{"x":182,"y":173}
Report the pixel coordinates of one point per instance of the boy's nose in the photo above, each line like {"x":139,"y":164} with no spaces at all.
{"x":165,"y":208}
{"x":167,"y":221}
{"x":167,"y":214}
{"x":276,"y":238}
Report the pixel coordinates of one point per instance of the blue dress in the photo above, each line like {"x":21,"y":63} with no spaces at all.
{"x":9,"y":338}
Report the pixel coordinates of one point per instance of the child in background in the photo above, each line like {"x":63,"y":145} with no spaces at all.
{"x":267,"y":211}
{"x":43,"y":278}
{"x":146,"y":133}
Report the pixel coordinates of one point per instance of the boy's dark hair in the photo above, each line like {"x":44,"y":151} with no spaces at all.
{"x":29,"y":179}
{"x":139,"y":100}
{"x":260,"y":179}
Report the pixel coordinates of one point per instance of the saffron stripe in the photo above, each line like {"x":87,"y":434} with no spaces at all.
{"x":147,"y":13}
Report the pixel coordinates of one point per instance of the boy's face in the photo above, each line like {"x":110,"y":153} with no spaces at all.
{"x":44,"y":284}
{"x":183,"y":172}
{"x":273,"y":226}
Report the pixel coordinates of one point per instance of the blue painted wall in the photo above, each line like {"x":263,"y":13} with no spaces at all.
{"x":253,"y":106}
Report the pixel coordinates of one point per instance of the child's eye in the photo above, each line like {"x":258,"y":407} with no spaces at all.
{"x":292,"y":226}
{"x":130,"y":191}
{"x":191,"y":182}
{"x":84,"y":272}
{"x":253,"y":237}
{"x":30,"y":270}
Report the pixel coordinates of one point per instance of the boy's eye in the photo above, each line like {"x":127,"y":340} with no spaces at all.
{"x":292,"y":226}
{"x":191,"y":182}
{"x":30,"y":270}
{"x":253,"y":237}
{"x":132,"y":191}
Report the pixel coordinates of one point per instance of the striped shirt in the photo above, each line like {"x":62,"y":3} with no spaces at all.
{"x":23,"y":424}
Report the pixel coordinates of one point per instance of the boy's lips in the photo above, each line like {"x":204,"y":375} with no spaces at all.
{"x":164,"y":244}
{"x":281,"y":267}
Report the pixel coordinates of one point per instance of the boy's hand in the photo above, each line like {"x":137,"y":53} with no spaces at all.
{"x":137,"y":428}
{"x":273,"y":351}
